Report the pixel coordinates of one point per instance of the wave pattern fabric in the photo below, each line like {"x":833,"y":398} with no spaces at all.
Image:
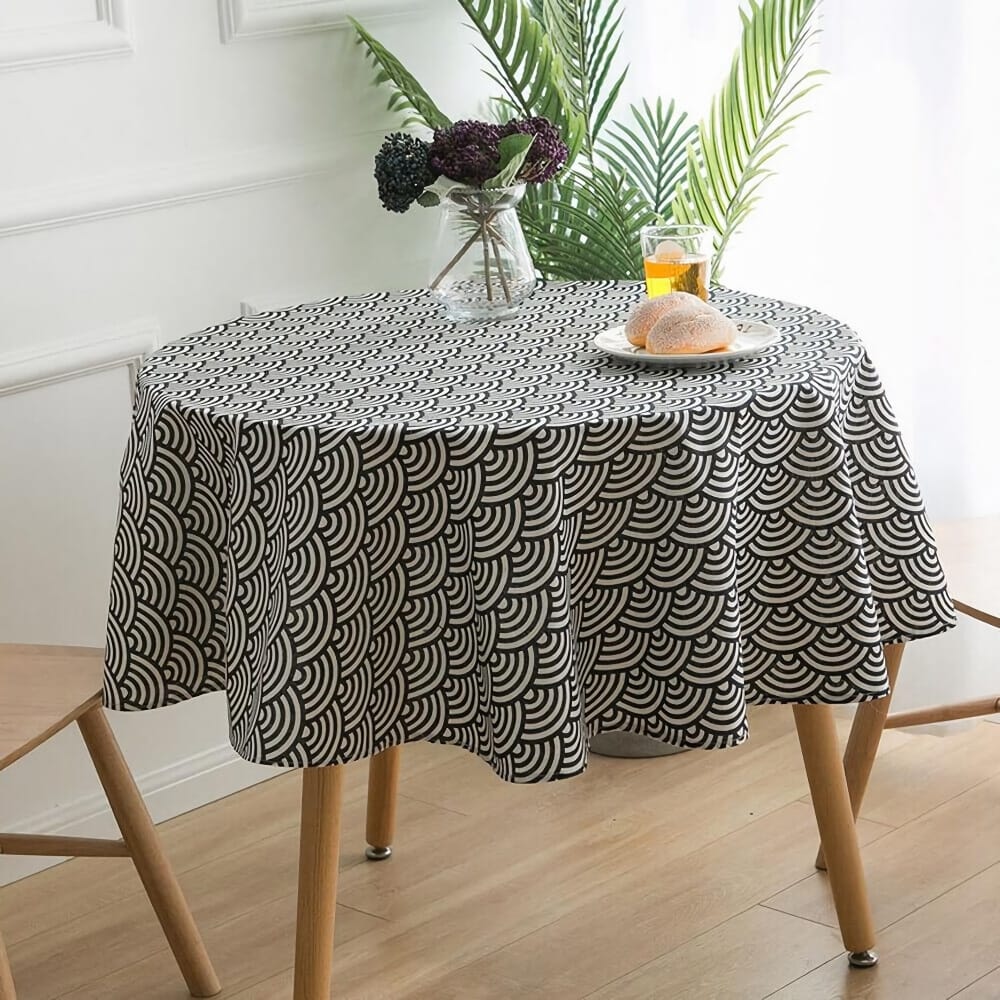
{"x":369,"y":527}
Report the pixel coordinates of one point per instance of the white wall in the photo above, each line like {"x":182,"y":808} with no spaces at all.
{"x":163,"y":164}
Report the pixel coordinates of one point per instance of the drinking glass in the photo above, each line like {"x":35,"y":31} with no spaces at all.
{"x":676,"y":259}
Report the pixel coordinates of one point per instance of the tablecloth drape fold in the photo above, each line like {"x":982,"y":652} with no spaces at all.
{"x":370,"y":527}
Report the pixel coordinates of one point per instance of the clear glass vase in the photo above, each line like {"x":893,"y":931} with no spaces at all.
{"x":481,"y":268}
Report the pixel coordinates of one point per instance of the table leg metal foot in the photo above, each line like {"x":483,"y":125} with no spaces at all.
{"x":862,"y":959}
{"x":383,"y":782}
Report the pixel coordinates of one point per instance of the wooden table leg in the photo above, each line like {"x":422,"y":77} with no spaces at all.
{"x":319,"y":851}
{"x":866,"y":733}
{"x":832,"y":805}
{"x":147,"y":855}
{"x":383,"y":781}
{"x":6,"y":979}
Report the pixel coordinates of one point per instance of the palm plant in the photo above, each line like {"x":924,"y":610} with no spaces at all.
{"x":556,"y":58}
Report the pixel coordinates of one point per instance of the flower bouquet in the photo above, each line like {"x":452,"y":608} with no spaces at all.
{"x":477,"y":171}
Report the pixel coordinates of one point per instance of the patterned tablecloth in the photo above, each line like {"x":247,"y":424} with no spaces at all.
{"x":369,"y":527}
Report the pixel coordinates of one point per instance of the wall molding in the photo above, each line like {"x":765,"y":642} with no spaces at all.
{"x":109,"y":34}
{"x":240,"y":19}
{"x":169,"y":791}
{"x":128,"y":345}
{"x":28,"y":210}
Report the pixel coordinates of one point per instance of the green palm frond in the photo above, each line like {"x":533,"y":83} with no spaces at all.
{"x":555,"y":58}
{"x":524,"y":64}
{"x":586,"y":34}
{"x":758,"y":104}
{"x":406,"y":94}
{"x":584,"y":226}
{"x":652,"y":151}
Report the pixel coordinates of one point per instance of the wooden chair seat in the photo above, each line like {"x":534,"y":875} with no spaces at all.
{"x":42,"y":690}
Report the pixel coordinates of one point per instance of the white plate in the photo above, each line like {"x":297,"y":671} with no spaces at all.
{"x":752,"y":338}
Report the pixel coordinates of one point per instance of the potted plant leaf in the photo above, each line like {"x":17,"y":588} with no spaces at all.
{"x":557,"y":59}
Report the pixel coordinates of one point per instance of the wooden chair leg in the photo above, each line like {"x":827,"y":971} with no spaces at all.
{"x":944,"y":713}
{"x":832,"y":805}
{"x":383,"y":782}
{"x":6,"y":978}
{"x":140,"y":836}
{"x":319,"y":851}
{"x":866,"y":734}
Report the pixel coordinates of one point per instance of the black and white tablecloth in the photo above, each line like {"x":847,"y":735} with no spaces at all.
{"x":369,"y":527}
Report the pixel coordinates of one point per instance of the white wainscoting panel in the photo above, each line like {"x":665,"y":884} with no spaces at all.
{"x":159,"y":187}
{"x":107,"y":34}
{"x":30,"y":369}
{"x":257,"y":18}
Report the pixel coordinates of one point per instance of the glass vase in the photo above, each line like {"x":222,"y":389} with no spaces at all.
{"x":481,"y":268}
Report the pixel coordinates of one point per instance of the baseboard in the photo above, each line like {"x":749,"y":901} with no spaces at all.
{"x":169,"y":791}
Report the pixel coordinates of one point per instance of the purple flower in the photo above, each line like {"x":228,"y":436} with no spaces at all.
{"x":467,"y":152}
{"x":548,"y":153}
{"x":402,"y":171}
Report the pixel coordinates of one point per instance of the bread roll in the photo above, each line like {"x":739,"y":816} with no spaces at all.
{"x":650,"y":311}
{"x":691,"y":333}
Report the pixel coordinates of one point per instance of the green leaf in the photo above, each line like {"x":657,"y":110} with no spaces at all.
{"x":525,"y":65}
{"x":652,"y":153}
{"x":513,"y":152}
{"x":585,"y":226}
{"x":407,"y":96}
{"x":586,"y":35}
{"x":557,"y":58}
{"x":728,"y":159}
{"x":428,"y":198}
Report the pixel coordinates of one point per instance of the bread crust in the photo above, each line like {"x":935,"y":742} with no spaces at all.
{"x":649,"y":312}
{"x":691,"y":333}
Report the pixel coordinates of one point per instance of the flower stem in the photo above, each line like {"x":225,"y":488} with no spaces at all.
{"x":500,"y":271}
{"x":486,"y":260}
{"x":462,"y":250}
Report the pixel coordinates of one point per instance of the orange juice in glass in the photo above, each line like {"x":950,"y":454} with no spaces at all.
{"x":676,"y":259}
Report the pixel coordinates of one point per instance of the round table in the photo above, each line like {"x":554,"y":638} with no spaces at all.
{"x":370,"y":527}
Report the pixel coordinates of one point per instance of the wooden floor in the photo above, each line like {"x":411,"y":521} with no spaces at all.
{"x":683,"y":877}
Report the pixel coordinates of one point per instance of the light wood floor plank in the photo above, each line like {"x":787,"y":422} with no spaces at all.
{"x":245,"y":951}
{"x":627,"y":879}
{"x":923,"y":774}
{"x":912,"y":865}
{"x":649,"y":912}
{"x":264,"y":872}
{"x":190,"y":841}
{"x":928,"y":955}
{"x":986,"y":988}
{"x":590,"y":855}
{"x":724,"y":963}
